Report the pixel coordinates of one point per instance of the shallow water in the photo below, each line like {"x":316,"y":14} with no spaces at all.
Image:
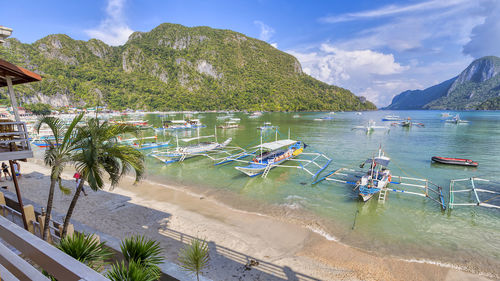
{"x":406,"y":225}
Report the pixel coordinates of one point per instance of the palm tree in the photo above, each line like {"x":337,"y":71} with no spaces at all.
{"x":133,"y":271}
{"x":100,"y":152}
{"x":194,"y":257}
{"x":57,"y":155}
{"x":142,"y":256}
{"x":86,"y":249}
{"x":141,"y":250}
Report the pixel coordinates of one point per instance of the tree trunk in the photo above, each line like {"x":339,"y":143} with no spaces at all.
{"x":71,"y":208}
{"x":46,"y":227}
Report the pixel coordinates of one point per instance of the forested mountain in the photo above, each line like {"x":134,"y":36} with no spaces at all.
{"x":477,"y":87}
{"x":173,"y":67}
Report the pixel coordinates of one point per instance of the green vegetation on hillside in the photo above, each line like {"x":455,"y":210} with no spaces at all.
{"x":174,"y":67}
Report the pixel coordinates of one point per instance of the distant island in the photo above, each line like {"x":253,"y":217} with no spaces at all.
{"x":476,"y":88}
{"x":173,"y":67}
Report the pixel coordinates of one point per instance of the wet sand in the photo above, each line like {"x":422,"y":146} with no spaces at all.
{"x":284,"y":250}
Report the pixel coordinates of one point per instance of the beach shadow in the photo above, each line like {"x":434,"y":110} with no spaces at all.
{"x":119,"y":215}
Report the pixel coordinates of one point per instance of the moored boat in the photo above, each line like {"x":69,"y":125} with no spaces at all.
{"x":272,"y":154}
{"x":455,"y":161}
{"x":391,"y":118}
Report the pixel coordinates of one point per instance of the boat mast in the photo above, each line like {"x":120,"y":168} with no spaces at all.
{"x":288,"y":133}
{"x":276,"y":134}
{"x":215,"y":134}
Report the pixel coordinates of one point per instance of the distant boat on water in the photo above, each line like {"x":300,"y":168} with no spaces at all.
{"x":391,"y":118}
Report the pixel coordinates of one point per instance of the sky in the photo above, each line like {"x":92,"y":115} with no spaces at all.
{"x":376,"y":49}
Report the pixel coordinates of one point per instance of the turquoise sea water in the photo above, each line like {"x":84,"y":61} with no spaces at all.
{"x":406,"y":225}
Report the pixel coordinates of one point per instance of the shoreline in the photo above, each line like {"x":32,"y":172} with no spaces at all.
{"x":284,"y":248}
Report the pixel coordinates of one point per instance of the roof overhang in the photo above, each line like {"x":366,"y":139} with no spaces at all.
{"x":18,"y":74}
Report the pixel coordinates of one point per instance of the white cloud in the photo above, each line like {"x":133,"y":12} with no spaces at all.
{"x":113,"y":30}
{"x":266,"y":32}
{"x":393,"y":10}
{"x":359,"y":71}
{"x":484,"y":39}
{"x":275,"y":45}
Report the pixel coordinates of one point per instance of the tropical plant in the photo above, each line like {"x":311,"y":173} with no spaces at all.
{"x":140,"y":250}
{"x":142,"y":258}
{"x":194,"y":258}
{"x":57,"y":155}
{"x":100,"y":152}
{"x":133,"y":272}
{"x":86,"y":249}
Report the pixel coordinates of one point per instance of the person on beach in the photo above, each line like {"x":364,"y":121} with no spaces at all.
{"x":17,"y":168}
{"x":78,"y":179}
{"x":5,"y":170}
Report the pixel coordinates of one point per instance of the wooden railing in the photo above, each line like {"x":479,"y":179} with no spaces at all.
{"x":14,"y":141}
{"x":40,"y":254}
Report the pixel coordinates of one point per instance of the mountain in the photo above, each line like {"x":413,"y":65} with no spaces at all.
{"x":477,"y":87}
{"x":173,"y":67}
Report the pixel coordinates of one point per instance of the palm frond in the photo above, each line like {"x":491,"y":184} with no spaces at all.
{"x":64,"y":190}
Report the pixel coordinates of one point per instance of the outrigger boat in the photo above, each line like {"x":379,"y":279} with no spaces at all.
{"x":378,"y":180}
{"x":269,"y":155}
{"x":266,"y":126}
{"x":229,"y":125}
{"x":370,"y":127}
{"x":139,"y":143}
{"x":408,"y":123}
{"x":171,"y":125}
{"x":391,"y":118}
{"x":141,"y":124}
{"x":180,"y":153}
{"x":456,"y":120}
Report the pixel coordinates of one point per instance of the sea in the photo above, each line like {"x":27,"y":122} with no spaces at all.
{"x":407,"y":226}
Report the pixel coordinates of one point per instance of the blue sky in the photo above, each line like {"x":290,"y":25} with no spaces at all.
{"x":373,"y":48}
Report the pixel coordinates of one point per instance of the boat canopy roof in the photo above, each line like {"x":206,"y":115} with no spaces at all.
{"x":196,"y":138}
{"x":384,"y":161}
{"x":177,"y":121}
{"x":276,"y":144}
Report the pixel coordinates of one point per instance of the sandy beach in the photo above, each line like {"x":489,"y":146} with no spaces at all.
{"x":284,"y":250}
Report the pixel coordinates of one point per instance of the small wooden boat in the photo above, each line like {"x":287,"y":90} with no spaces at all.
{"x":455,"y":161}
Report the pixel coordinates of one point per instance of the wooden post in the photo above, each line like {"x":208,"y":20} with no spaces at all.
{"x":2,"y":202}
{"x":13,"y":100}
{"x":29,"y":212}
{"x":18,"y":193}
{"x":41,"y":222}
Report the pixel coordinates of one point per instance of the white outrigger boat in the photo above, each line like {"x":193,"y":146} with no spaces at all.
{"x":378,"y":180}
{"x":267,"y":126}
{"x":171,"y":125}
{"x":391,"y":118}
{"x":230,"y":125}
{"x":140,"y":144}
{"x":181,"y":153}
{"x":269,"y":155}
{"x":370,"y":127}
{"x":456,"y":120}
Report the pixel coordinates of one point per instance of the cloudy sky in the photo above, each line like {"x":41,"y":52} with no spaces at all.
{"x":375,"y":49}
